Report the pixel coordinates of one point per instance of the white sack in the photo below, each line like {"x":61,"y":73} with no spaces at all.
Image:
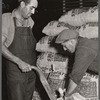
{"x":53,"y":28}
{"x":88,"y":88}
{"x":78,"y":17}
{"x":89,"y":30}
{"x":54,"y":67}
{"x":47,"y":44}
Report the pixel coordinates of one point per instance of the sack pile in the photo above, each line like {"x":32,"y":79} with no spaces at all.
{"x":47,"y":44}
{"x":78,"y":17}
{"x":44,"y":45}
{"x":53,"y":28}
{"x":89,"y":30}
{"x":88,"y":88}
{"x":54,"y":67}
{"x":83,"y":20}
{"x":53,"y":61}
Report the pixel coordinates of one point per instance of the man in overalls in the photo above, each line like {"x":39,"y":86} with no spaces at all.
{"x":18,"y":47}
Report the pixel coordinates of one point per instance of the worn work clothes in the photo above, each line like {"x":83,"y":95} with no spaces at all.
{"x":86,"y":57}
{"x":21,"y":85}
{"x":8,"y":28}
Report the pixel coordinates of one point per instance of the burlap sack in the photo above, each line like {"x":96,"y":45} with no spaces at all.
{"x":53,"y":28}
{"x":88,"y":88}
{"x":89,"y":30}
{"x":54,"y":67}
{"x":47,"y":44}
{"x":80,"y":16}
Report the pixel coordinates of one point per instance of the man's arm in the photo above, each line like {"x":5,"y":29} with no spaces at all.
{"x":7,"y":54}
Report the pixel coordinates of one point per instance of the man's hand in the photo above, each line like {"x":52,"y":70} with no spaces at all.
{"x":25,"y":67}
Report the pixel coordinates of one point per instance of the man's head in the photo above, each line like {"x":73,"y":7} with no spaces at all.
{"x":68,"y":39}
{"x":27,"y":7}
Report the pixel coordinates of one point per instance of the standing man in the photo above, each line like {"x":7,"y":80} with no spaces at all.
{"x":18,"y":47}
{"x":86,"y":56}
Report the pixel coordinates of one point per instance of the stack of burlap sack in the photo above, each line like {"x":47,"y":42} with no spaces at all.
{"x":84,"y":20}
{"x":86,"y":90}
{"x":53,"y":60}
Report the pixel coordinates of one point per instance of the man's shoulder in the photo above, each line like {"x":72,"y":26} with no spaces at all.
{"x":7,"y":21}
{"x":9,"y":14}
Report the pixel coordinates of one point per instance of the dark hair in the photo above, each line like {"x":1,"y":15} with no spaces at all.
{"x":26,"y":1}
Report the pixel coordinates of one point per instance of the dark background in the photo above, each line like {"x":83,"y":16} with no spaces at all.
{"x":47,"y":11}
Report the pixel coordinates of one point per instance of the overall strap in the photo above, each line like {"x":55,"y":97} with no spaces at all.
{"x":14,"y":22}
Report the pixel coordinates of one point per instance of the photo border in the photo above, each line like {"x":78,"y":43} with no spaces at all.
{"x":0,"y":51}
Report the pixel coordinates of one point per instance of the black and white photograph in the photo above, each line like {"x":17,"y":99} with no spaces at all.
{"x":49,"y":50}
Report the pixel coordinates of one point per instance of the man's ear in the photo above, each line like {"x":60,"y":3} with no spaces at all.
{"x":22,"y":4}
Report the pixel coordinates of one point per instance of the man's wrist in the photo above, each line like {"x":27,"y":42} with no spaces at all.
{"x":16,"y":60}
